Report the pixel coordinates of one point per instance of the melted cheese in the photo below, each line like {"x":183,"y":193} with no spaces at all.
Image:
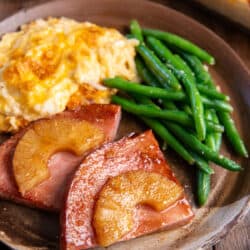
{"x":52,"y":64}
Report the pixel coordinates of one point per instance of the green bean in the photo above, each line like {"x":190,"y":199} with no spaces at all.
{"x":135,"y":30}
{"x":217,"y":135}
{"x":139,"y":99}
{"x":202,"y":164}
{"x":213,"y":140}
{"x":160,"y":130}
{"x":150,"y":79}
{"x":203,"y":77}
{"x":158,"y":127}
{"x":203,"y":186}
{"x":212,"y":93}
{"x":196,"y":65}
{"x":165,"y":76}
{"x":184,"y":65}
{"x":166,"y":55}
{"x":145,"y":74}
{"x":156,"y":92}
{"x":230,"y":129}
{"x":232,"y":134}
{"x":203,"y":178}
{"x":169,"y":105}
{"x":187,"y":109}
{"x":180,"y":43}
{"x":148,"y":91}
{"x":210,"y":141}
{"x":152,"y":92}
{"x":212,"y":127}
{"x":216,"y":104}
{"x":149,"y":109}
{"x":187,"y":80}
{"x":195,"y":145}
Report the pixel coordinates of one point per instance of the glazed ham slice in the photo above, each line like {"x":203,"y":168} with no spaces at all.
{"x":49,"y":194}
{"x":134,"y":153}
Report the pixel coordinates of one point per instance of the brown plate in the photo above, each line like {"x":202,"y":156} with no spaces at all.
{"x":25,"y":228}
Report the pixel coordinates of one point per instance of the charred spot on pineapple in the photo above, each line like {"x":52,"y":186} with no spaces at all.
{"x":45,"y":138}
{"x":113,"y":216}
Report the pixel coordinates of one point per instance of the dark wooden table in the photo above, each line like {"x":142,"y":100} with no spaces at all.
{"x":235,"y":36}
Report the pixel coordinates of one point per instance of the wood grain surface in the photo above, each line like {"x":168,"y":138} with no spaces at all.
{"x":238,"y":38}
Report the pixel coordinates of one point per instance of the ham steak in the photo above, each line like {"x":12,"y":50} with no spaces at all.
{"x":134,"y":153}
{"x":49,"y":194}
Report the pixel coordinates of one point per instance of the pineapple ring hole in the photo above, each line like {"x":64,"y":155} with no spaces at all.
{"x":114,"y":208}
{"x":46,"y":138}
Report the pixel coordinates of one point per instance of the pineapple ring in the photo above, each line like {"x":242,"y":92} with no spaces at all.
{"x":113,"y":216}
{"x":45,"y":138}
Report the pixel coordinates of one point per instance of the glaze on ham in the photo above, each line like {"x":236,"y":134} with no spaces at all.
{"x":128,"y":154}
{"x":49,"y":194}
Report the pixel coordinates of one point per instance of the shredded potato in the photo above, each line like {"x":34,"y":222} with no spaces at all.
{"x":54,"y":64}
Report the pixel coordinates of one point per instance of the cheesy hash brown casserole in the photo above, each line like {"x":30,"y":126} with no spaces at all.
{"x":54,"y":64}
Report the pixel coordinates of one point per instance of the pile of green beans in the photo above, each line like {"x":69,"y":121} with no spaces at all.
{"x":179,"y":101}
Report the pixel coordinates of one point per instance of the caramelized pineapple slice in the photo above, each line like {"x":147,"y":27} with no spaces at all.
{"x":113,"y":216}
{"x":45,"y":138}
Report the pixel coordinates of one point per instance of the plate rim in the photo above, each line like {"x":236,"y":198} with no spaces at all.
{"x":244,"y":211}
